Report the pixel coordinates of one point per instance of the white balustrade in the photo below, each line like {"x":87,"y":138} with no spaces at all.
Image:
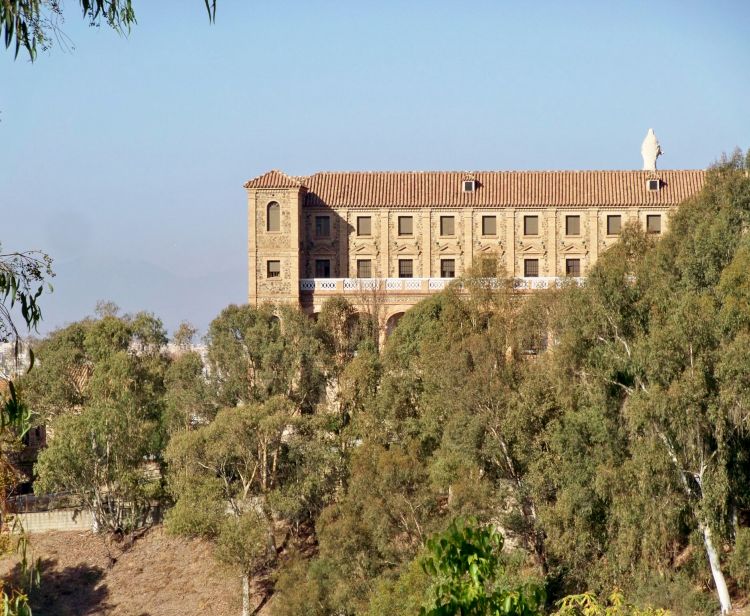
{"x":429,"y":284}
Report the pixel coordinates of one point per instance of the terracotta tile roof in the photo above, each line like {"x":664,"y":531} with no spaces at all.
{"x":494,"y":188}
{"x":273,"y":179}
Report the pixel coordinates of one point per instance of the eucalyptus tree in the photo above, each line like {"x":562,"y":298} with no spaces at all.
{"x":652,"y":354}
{"x":100,"y":388}
{"x":262,"y":463}
{"x":35,"y":24}
{"x":23,"y":278}
{"x":257,"y":353}
{"x":255,"y":471}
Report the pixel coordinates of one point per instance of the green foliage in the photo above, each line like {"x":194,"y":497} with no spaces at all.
{"x":14,"y":603}
{"x":739,"y":562}
{"x":188,"y":399}
{"x":343,"y":329}
{"x":253,"y":354}
{"x":464,"y":563}
{"x":400,"y":595}
{"x":23,"y":277}
{"x":100,"y":387}
{"x":246,"y":542}
{"x":587,"y":604}
{"x":31,"y":24}
{"x":22,"y":281}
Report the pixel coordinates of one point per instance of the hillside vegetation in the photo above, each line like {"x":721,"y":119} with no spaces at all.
{"x":603,"y":429}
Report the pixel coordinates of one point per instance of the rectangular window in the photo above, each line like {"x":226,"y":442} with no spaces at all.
{"x":531,"y":268}
{"x":273,"y":269}
{"x":322,"y":268}
{"x":364,"y":268}
{"x":489,"y":225}
{"x":653,"y":223}
{"x":469,"y":185}
{"x":531,"y":225}
{"x":405,"y":268}
{"x":487,"y":267}
{"x":573,"y":268}
{"x":572,"y":225}
{"x":322,"y":226}
{"x":364,"y":225}
{"x":447,"y":268}
{"x":614,"y":224}
{"x":405,"y":225}
{"x":447,"y":225}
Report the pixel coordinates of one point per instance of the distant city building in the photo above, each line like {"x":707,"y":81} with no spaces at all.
{"x":405,"y":235}
{"x":13,"y":365}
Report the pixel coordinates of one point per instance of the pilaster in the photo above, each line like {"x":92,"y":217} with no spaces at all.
{"x":252,"y":251}
{"x":295,"y":244}
{"x":593,"y":239}
{"x":468,"y":251}
{"x":341,"y":217}
{"x":385,"y":243}
{"x":551,"y":216}
{"x":510,"y":241}
{"x":426,"y":244}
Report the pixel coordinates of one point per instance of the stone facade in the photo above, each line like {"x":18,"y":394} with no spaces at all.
{"x":534,"y":224}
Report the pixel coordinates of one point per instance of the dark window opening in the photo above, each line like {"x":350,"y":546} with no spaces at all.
{"x":447,"y":268}
{"x":572,"y":225}
{"x":531,"y":225}
{"x":322,"y":268}
{"x":614,"y":224}
{"x":364,"y":225}
{"x":405,"y":225}
{"x":322,"y":226}
{"x":405,"y":268}
{"x":447,"y":225}
{"x":653,"y":223}
{"x":489,"y":225}
{"x":364,"y":268}
{"x":573,"y":268}
{"x":273,"y":217}
{"x":531,"y":268}
{"x":273,"y":269}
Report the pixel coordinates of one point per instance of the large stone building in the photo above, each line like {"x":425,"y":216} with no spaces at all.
{"x":406,"y":234}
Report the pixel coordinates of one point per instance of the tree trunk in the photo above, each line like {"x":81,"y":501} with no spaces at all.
{"x":245,"y":595}
{"x":713,"y":559}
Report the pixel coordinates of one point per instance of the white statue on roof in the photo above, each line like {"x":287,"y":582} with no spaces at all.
{"x":650,"y":150}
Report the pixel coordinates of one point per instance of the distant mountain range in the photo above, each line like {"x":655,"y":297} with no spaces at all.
{"x":136,"y":285}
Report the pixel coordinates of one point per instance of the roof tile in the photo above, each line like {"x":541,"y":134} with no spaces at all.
{"x":494,"y":188}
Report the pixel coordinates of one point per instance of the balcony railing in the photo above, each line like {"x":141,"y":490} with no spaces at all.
{"x":424,"y":285}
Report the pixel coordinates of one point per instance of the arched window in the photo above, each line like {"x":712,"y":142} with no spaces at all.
{"x":273,"y":217}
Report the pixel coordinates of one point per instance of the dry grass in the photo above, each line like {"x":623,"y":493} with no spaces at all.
{"x":158,"y":575}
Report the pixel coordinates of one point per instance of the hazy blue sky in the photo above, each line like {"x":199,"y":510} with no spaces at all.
{"x":125,"y":157}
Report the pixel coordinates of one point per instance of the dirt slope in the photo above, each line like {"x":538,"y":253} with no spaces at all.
{"x":158,"y":575}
